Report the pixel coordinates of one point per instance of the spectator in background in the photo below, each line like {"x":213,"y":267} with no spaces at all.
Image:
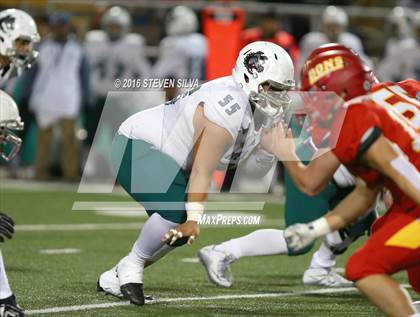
{"x":334,"y":25}
{"x":60,"y":88}
{"x":182,"y":53}
{"x":402,"y":50}
{"x":113,"y":52}
{"x":270,"y":29}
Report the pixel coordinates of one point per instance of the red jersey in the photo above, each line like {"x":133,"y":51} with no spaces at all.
{"x":281,"y":38}
{"x":390,"y":109}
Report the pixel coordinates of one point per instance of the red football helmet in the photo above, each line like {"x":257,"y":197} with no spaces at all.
{"x":330,"y":47}
{"x":332,"y":73}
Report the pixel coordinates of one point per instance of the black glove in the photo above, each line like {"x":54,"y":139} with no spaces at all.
{"x":11,"y":311}
{"x":6,"y":227}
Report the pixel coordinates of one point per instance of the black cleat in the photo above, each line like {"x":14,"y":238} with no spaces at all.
{"x":134,"y":293}
{"x":9,"y":308}
{"x":99,"y":288}
{"x":10,"y":311}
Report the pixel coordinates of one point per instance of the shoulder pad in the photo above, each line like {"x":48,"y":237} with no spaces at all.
{"x":96,"y":36}
{"x":134,"y":39}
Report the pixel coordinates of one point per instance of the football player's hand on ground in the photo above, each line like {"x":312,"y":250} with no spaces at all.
{"x":189,"y":229}
{"x":6,"y":227}
{"x":299,"y":236}
{"x":279,"y":141}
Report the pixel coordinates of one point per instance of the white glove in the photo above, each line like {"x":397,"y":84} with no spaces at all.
{"x":301,"y":235}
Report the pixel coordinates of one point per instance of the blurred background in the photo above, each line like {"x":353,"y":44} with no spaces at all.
{"x":100,"y":41}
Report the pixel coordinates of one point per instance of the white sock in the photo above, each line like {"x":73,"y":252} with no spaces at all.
{"x":415,"y":315}
{"x":259,"y":242}
{"x":5,"y":290}
{"x":149,"y":241}
{"x":323,"y":258}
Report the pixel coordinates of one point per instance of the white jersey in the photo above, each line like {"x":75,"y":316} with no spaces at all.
{"x":181,"y":56}
{"x":314,"y":40}
{"x":169,"y":127}
{"x":123,"y":59}
{"x":401,"y":60}
{"x":6,"y":73}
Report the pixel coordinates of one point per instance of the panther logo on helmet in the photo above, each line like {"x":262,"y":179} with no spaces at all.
{"x":7,"y":24}
{"x":255,"y":61}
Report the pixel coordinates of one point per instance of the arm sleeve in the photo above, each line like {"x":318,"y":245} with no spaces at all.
{"x":360,"y":129}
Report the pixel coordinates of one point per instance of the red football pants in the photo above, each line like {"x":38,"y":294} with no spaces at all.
{"x":393,"y":246}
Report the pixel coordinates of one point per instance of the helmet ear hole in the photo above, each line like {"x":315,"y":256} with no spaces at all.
{"x":275,"y":56}
{"x":246,"y":78}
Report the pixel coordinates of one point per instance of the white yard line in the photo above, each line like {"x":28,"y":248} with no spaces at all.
{"x":42,"y":186}
{"x":190,"y":260}
{"x":186,"y":299}
{"x":60,"y":251}
{"x":80,"y":226}
{"x":218,"y":206}
{"x":277,"y":223}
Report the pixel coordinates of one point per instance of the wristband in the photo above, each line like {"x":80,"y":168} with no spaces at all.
{"x":320,"y":227}
{"x":194,"y":211}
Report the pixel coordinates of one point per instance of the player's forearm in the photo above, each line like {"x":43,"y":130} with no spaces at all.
{"x":406,"y":176}
{"x":351,"y":208}
{"x":302,"y":178}
{"x":199,"y":186}
{"x":384,"y":156}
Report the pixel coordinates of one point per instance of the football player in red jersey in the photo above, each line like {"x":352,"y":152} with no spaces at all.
{"x":269,"y":29}
{"x":373,"y":129}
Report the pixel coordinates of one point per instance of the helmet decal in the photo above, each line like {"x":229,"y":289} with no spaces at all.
{"x":255,"y":61}
{"x":324,"y":68}
{"x":7,"y":24}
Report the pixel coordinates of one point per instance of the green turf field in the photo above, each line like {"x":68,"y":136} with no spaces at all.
{"x":43,"y":281}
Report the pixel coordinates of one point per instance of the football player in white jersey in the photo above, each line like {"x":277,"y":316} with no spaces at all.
{"x":114,"y":53}
{"x":164,"y":157}
{"x":402,"y":51}
{"x":334,"y":22}
{"x":18,"y":33}
{"x":183,"y":51}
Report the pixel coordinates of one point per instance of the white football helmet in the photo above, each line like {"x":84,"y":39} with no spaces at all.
{"x":265,"y":63}
{"x":117,"y":16}
{"x":9,"y":121}
{"x":398,"y":17}
{"x":335,"y":15}
{"x":16,"y":24}
{"x":181,"y":20}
